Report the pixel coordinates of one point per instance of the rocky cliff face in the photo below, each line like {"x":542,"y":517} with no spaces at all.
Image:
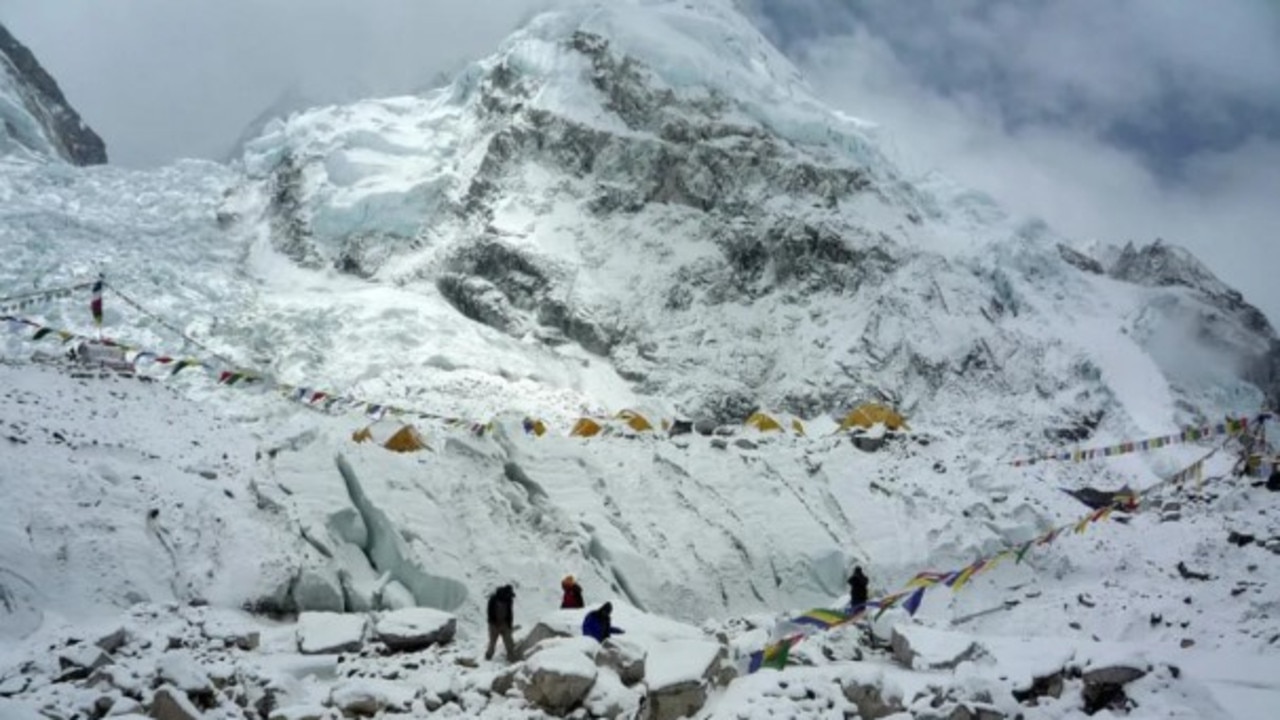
{"x":1190,"y":309}
{"x":731,"y":244}
{"x":34,"y":114}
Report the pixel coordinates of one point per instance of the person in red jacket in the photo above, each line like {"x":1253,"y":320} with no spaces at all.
{"x":572,"y":594}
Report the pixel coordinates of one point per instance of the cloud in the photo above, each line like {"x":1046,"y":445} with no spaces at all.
{"x":161,"y":79}
{"x":1111,"y":120}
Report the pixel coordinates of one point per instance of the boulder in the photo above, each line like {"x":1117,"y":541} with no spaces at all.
{"x":79,"y":661}
{"x":1104,"y":687}
{"x":968,"y":711}
{"x":413,"y":629}
{"x":323,"y":633}
{"x":900,"y":646}
{"x":247,"y":641}
{"x":558,"y":676}
{"x":14,"y":685}
{"x":540,"y":632}
{"x":624,"y":658}
{"x":921,"y":648}
{"x":232,"y":631}
{"x":678,"y":674}
{"x":180,"y":670}
{"x":1113,"y":674}
{"x":610,"y":699}
{"x":870,"y":700}
{"x":113,"y":641}
{"x":1041,"y":686}
{"x":299,"y":712}
{"x":680,"y":700}
{"x":365,"y":697}
{"x":125,"y":706}
{"x":170,"y":703}
{"x":503,"y":682}
{"x":1240,"y":539}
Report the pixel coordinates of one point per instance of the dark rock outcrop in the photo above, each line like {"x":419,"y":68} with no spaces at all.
{"x":58,"y":122}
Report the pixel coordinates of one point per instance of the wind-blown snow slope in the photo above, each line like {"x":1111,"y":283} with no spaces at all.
{"x":118,"y":492}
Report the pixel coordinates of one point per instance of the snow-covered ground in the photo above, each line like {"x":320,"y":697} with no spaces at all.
{"x":565,"y":232}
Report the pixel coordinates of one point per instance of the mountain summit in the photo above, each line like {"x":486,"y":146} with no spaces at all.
{"x":654,"y":183}
{"x":35,"y":116}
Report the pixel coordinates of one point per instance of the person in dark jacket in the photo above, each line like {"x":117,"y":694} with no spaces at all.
{"x":572,"y":594}
{"x":858,"y":587}
{"x":599,"y":623}
{"x":502,"y":621}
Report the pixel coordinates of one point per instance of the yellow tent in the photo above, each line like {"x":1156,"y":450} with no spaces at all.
{"x":585,"y":427}
{"x":868,"y":414}
{"x":534,"y":426}
{"x":404,"y":439}
{"x":763,"y":422}
{"x":635,"y":421}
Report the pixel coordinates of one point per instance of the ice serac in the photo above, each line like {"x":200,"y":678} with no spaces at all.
{"x":391,"y":554}
{"x":34,"y":114}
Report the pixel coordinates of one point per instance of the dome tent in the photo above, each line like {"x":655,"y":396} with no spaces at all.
{"x":402,"y":439}
{"x":868,"y":415}
{"x":764,"y":422}
{"x":635,"y":421}
{"x":585,"y":427}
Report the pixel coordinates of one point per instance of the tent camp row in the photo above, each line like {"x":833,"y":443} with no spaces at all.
{"x":407,"y":438}
{"x":629,"y":421}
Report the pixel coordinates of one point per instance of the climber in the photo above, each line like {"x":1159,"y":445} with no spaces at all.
{"x":858,"y":588}
{"x":599,"y":623}
{"x":572,"y":594}
{"x":501,"y":621}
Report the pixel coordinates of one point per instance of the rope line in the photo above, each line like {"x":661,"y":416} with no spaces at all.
{"x":165,"y":324}
{"x":49,"y":292}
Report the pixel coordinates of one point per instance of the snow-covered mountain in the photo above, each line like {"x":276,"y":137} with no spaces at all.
{"x":34,"y":115}
{"x":688,"y":211}
{"x":637,"y":205}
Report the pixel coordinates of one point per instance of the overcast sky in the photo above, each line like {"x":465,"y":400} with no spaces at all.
{"x":1114,"y":119}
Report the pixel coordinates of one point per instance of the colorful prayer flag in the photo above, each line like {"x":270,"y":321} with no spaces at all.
{"x":912,"y":605}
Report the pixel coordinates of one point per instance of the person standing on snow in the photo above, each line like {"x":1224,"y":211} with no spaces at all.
{"x":858,"y":585}
{"x":572,"y":599}
{"x":599,"y":623}
{"x":502,"y":621}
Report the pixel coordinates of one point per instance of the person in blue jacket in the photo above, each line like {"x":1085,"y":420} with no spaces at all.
{"x":599,"y":623}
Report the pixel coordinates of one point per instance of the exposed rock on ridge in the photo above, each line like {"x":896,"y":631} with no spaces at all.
{"x":44,"y":117}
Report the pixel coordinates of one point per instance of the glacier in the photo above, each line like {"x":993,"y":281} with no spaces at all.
{"x":634,"y":205}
